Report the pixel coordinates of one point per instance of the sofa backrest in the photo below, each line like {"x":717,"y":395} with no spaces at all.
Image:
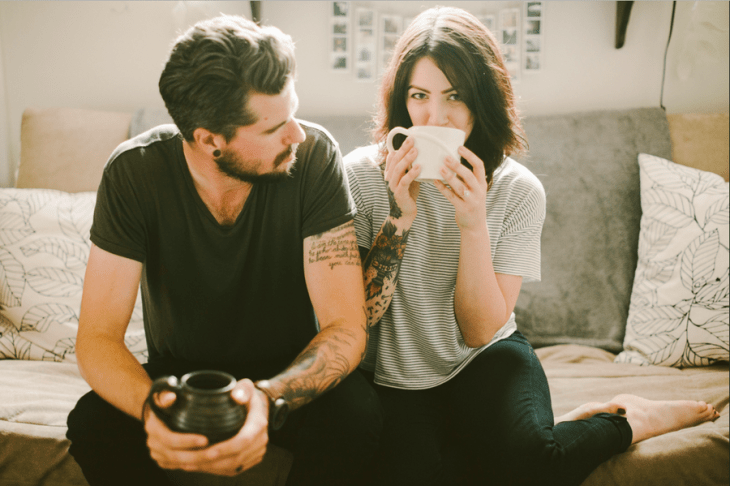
{"x":587,"y":163}
{"x":66,"y":148}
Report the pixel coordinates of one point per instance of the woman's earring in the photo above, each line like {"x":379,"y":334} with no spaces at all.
{"x":216,"y":153}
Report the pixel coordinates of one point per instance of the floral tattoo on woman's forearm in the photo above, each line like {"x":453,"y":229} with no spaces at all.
{"x":382,"y":265}
{"x":395,"y":210}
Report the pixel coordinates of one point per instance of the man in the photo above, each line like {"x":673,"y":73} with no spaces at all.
{"x":237,"y":221}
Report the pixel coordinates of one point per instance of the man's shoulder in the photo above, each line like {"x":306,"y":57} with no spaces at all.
{"x":318,"y":138}
{"x":138,"y":148}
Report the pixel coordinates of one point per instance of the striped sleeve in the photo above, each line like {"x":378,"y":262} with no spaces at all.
{"x":518,"y":249}
{"x":364,"y":179}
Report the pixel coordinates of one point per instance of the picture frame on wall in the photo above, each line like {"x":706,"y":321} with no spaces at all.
{"x":340,"y":37}
{"x":509,"y":37}
{"x":534,"y":40}
{"x":390,"y":28}
{"x":489,"y":22}
{"x":365,"y":61}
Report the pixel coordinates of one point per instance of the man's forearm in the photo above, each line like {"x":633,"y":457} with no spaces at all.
{"x":332,"y":355}
{"x":113,"y":373}
{"x":334,"y":281}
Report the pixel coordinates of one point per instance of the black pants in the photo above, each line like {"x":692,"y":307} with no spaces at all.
{"x":332,"y":438}
{"x":491,"y":424}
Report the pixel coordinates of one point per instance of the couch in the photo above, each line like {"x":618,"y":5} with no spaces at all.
{"x":620,"y":308}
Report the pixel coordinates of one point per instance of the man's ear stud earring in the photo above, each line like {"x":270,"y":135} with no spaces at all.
{"x":216,"y":153}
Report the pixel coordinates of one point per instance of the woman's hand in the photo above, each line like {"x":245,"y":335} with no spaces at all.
{"x":466,"y":190}
{"x":400,"y":175}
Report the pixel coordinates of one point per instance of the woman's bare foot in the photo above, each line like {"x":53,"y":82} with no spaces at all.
{"x":589,"y":409}
{"x":650,"y":418}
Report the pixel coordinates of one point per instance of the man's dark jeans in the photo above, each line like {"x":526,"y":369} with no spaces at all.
{"x":332,"y":438}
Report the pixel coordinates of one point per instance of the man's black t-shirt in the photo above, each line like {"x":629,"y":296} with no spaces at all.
{"x":227,"y":295}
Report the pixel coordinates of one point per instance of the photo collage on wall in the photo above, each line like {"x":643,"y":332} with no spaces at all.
{"x":363,"y":38}
{"x":533,"y":44}
{"x":391,"y":27}
{"x":365,"y":44}
{"x":489,"y":22}
{"x":509,"y":38}
{"x":340,"y":37}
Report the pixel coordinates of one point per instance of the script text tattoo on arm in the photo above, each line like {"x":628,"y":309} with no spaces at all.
{"x":325,"y":362}
{"x":336,"y":249}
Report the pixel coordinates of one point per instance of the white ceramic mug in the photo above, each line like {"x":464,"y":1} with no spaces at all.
{"x":433,"y":145}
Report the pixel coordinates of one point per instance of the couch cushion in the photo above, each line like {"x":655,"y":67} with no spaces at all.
{"x":679,"y":303}
{"x":44,"y":247}
{"x":587,"y":164}
{"x":66,"y":148}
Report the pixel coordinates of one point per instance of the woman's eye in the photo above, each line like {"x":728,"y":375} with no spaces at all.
{"x":418,"y":96}
{"x":455,"y":97}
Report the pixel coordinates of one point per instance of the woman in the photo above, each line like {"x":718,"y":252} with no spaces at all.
{"x":464,"y":395}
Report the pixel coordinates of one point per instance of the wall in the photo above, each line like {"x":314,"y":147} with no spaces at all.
{"x":582,"y":71}
{"x":107,"y":55}
{"x":697,"y":62}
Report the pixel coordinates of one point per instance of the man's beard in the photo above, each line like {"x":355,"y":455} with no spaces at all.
{"x":232,"y":165}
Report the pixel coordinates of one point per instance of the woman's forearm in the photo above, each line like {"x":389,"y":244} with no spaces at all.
{"x":381,"y":267}
{"x":479,"y":303}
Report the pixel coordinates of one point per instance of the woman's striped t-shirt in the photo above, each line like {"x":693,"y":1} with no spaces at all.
{"x":418,"y":344}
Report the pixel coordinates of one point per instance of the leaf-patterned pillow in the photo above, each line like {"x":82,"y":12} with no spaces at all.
{"x":44,"y":246}
{"x":678,"y":314}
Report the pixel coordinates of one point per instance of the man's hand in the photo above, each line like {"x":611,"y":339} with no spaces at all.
{"x":190,"y":452}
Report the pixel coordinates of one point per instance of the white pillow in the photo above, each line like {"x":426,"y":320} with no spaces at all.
{"x":44,"y":247}
{"x":678,"y":314}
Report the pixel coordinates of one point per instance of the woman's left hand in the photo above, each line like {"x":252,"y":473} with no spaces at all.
{"x":466,"y":190}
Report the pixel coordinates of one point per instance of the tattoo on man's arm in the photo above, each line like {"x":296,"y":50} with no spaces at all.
{"x":319,"y":368}
{"x":336,"y":247}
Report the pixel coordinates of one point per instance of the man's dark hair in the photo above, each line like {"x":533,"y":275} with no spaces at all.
{"x":214,"y":68}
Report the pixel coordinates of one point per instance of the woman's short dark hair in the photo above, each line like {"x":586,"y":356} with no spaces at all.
{"x":469,"y":56}
{"x":216,"y":65}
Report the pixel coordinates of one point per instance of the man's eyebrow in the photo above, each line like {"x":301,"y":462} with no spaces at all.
{"x":427,"y":91}
{"x":275,"y":128}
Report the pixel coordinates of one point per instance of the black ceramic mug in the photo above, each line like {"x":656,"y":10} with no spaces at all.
{"x":203,"y":404}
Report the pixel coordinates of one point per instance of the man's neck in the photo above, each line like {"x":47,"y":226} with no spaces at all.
{"x":223,"y":195}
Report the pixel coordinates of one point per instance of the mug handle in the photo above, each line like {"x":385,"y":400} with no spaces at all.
{"x":165,"y":383}
{"x":393,"y":133}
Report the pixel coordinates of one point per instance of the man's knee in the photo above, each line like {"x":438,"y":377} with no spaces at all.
{"x":351,"y":409}
{"x":110,"y":446}
{"x":93,"y":417}
{"x":359,"y":402}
